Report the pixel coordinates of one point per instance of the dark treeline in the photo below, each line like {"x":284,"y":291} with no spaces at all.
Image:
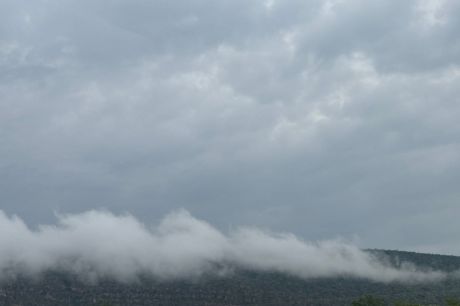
{"x":369,"y":300}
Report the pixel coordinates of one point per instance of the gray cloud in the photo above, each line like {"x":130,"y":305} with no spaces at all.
{"x":324,"y":118}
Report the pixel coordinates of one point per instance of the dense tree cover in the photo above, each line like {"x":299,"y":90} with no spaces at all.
{"x":369,"y":300}
{"x":452,"y":302}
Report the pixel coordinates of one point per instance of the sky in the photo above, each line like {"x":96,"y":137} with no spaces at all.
{"x":326,"y":119}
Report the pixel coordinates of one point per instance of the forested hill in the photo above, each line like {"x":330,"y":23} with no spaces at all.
{"x":239,"y":288}
{"x":447,"y":263}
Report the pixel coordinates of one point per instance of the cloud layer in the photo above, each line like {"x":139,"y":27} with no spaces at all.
{"x":98,"y":244}
{"x":322,"y":117}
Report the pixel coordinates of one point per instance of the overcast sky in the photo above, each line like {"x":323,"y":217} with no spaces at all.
{"x":322,"y":118}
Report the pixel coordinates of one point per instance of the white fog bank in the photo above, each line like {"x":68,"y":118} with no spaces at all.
{"x":100,"y":244}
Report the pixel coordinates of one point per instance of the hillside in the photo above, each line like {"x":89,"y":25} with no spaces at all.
{"x":239,"y":288}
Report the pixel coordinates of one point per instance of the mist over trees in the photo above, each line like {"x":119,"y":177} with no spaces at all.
{"x":241,"y":287}
{"x":98,"y":244}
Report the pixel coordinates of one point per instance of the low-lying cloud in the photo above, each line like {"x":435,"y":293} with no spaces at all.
{"x":97,"y":244}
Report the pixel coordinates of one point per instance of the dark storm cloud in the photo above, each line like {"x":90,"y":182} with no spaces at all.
{"x":325,"y":118}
